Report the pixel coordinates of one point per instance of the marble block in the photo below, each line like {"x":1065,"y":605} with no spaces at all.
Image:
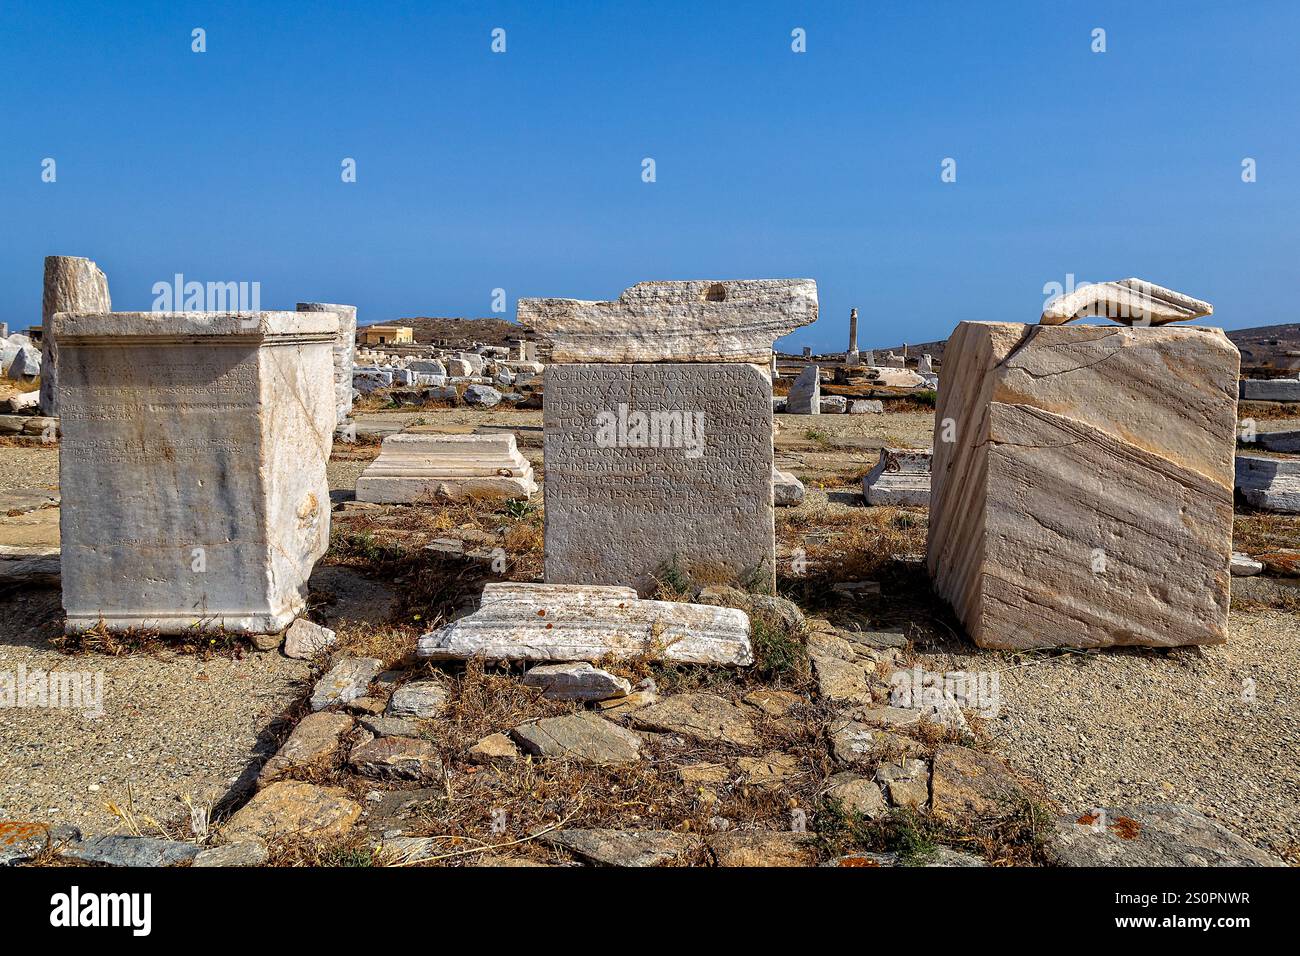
{"x":192,"y":467}
{"x":345,"y":350}
{"x":419,"y":466}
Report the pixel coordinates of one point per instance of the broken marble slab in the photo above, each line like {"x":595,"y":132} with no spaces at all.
{"x":192,"y":467}
{"x":72,"y":284}
{"x":1270,"y":484}
{"x":576,"y":680}
{"x":420,"y":466}
{"x":787,"y":490}
{"x":1269,"y":389}
{"x":805,"y":395}
{"x":1082,"y":484}
{"x":900,"y":477}
{"x":693,"y":321}
{"x":892,"y":377}
{"x":1130,"y":301}
{"x":574,"y":622}
{"x":1160,"y":834}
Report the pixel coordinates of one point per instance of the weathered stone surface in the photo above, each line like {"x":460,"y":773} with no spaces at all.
{"x":586,"y":738}
{"x":404,"y":758}
{"x":628,"y":847}
{"x":576,"y":681}
{"x":419,"y":466}
{"x":762,"y":848}
{"x":229,"y":539}
{"x":289,"y":809}
{"x":494,"y":747}
{"x":71,"y":285}
{"x":121,"y":850}
{"x":547,"y":622}
{"x":1129,"y":301}
{"x":246,"y":853}
{"x":866,"y":406}
{"x":1085,"y":498}
{"x":704,"y":773}
{"x":390,"y":726}
{"x":704,"y":716}
{"x":344,"y":352}
{"x":774,"y":703}
{"x":314,"y":742}
{"x":769,"y":771}
{"x":894,"y":377}
{"x":907,"y":781}
{"x":1243,"y":565}
{"x":857,"y":794}
{"x":805,"y":395}
{"x":304,"y":639}
{"x":967,"y":785}
{"x":484,"y":396}
{"x":787,"y":490}
{"x":834,"y":405}
{"x":1270,"y":389}
{"x":695,"y":321}
{"x":1286,"y":442}
{"x":617,"y":708}
{"x":1270,"y":484}
{"x":345,"y":681}
{"x":842,"y":682}
{"x":421,"y":698}
{"x":663,"y":465}
{"x":901,"y":476}
{"x":1163,"y":834}
{"x":21,"y":841}
{"x":855,"y":744}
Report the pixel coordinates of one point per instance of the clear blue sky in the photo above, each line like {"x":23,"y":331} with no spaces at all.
{"x":522,"y":170}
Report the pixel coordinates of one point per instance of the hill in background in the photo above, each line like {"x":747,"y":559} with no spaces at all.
{"x":460,"y":332}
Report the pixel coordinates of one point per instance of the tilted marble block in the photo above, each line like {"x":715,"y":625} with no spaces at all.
{"x":1082,"y":484}
{"x":192,"y":467}
{"x":71,"y":285}
{"x":1268,"y":483}
{"x":416,"y":466}
{"x":345,"y":348}
{"x":901,"y":477}
{"x":649,"y":465}
{"x":694,"y":321}
{"x":557,"y":622}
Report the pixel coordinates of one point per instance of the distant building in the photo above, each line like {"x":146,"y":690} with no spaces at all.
{"x":386,"y":335}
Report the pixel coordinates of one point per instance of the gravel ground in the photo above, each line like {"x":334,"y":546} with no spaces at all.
{"x":172,"y":725}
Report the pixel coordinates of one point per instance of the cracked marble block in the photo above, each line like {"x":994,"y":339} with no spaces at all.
{"x":192,"y":467}
{"x":1081,"y":485}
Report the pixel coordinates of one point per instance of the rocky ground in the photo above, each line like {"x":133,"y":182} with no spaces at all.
{"x":795,"y":760}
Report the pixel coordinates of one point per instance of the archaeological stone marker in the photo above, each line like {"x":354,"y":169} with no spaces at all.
{"x":192,"y":466}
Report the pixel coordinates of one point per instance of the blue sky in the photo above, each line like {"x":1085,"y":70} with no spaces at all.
{"x":523,"y":170}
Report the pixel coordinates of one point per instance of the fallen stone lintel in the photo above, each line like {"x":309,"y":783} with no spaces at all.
{"x":1130,"y":301}
{"x":575,"y":622}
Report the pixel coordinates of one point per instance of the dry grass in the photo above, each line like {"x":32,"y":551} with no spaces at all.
{"x":1255,"y":532}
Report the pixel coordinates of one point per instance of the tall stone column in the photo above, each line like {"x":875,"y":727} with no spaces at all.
{"x":71,"y":285}
{"x":658,"y":430}
{"x":345,"y":351}
{"x":853,"y":330}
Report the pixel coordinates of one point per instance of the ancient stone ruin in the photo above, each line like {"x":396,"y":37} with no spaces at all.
{"x":345,"y":348}
{"x":192,"y":466}
{"x":658,"y":430}
{"x":418,"y":465}
{"x":1082,"y":483}
{"x":72,"y":284}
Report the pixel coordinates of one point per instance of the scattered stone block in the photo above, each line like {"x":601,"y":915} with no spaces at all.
{"x":628,"y":847}
{"x":1270,"y":389}
{"x":134,"y":851}
{"x":290,"y":809}
{"x":833,"y":405}
{"x":967,"y":786}
{"x":900,"y":477}
{"x":246,"y":853}
{"x":20,"y":841}
{"x":402,"y":758}
{"x":698,"y":715}
{"x":857,"y":794}
{"x":665,"y":465}
{"x":483,"y":396}
{"x":576,"y":681}
{"x":304,"y":639}
{"x":787,"y":490}
{"x":494,"y":747}
{"x":228,"y":541}
{"x":1156,"y":835}
{"x":346,"y":681}
{"x":841,"y":682}
{"x":313,"y":743}
{"x":72,"y":284}
{"x":1084,"y":497}
{"x":421,"y":698}
{"x":1269,"y":484}
{"x":866,"y":406}
{"x":390,"y":726}
{"x":805,"y":395}
{"x":1243,"y":565}
{"x":1283,"y":442}
{"x":907,"y":781}
{"x":548,"y":622}
{"x":419,"y":466}
{"x":585,"y":738}
{"x":697,"y":321}
{"x":344,"y":353}
{"x":768,"y":772}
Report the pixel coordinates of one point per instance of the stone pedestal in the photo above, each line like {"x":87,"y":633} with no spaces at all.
{"x":650,"y":465}
{"x":345,"y":350}
{"x":71,"y":285}
{"x":417,"y":466}
{"x":1082,"y":484}
{"x":192,"y":467}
